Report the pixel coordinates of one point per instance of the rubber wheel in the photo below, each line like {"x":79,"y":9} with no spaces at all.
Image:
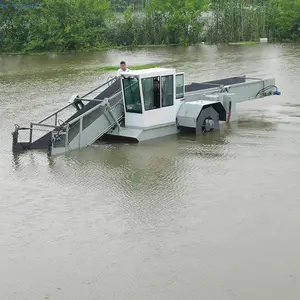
{"x":208,"y":125}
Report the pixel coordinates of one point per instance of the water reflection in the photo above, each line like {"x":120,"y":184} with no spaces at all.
{"x":136,"y":167}
{"x":145,"y":162}
{"x":16,"y":161}
{"x":206,"y":146}
{"x":126,"y":174}
{"x":257,"y":124}
{"x":34,"y":158}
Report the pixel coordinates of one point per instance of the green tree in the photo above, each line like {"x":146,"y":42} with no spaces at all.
{"x":55,"y":25}
{"x":284,"y":19}
{"x":181,"y":18}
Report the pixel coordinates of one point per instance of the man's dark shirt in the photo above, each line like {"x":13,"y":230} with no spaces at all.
{"x":156,"y":97}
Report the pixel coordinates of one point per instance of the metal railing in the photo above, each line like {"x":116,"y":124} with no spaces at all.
{"x":76,"y":126}
{"x":55,"y":114}
{"x":56,"y":124}
{"x":220,"y":87}
{"x":109,"y":82}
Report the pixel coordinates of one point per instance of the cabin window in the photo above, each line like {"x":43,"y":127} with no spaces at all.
{"x":179,"y":86}
{"x":151,"y":93}
{"x":167,"y":90}
{"x":132,"y":95}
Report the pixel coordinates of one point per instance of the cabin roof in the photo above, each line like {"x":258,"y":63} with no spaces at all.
{"x":151,"y":72}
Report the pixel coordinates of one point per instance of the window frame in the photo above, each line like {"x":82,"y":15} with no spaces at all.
{"x":180,"y":74}
{"x":160,"y":92}
{"x":139,"y":95}
{"x":162,"y":103}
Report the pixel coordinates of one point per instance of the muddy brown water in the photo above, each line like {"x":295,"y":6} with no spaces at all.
{"x":211,"y":217}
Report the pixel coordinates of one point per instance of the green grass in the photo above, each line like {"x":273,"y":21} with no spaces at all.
{"x":139,"y":67}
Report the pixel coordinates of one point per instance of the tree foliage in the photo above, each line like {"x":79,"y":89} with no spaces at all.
{"x":283,"y":19}
{"x":54,"y":25}
{"x":63,"y":25}
{"x":181,"y":18}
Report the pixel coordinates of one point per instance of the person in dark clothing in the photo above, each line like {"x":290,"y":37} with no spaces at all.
{"x":156,"y":92}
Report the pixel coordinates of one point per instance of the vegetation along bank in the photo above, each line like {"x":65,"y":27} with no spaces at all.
{"x":64,"y":25}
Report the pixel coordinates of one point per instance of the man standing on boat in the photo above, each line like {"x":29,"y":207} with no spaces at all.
{"x":123,"y":68}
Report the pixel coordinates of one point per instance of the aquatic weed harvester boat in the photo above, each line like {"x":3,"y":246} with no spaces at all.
{"x":129,"y":107}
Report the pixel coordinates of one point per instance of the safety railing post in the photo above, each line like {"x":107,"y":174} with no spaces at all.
{"x":30,"y":134}
{"x":80,"y":131}
{"x":113,"y":115}
{"x":67,"y":136}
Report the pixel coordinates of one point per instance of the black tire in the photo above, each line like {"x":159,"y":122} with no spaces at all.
{"x":208,"y":125}
{"x":207,"y":121}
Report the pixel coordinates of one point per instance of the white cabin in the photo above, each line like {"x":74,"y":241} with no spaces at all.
{"x":144,"y":106}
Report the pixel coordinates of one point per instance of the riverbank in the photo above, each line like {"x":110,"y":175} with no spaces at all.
{"x":105,"y":48}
